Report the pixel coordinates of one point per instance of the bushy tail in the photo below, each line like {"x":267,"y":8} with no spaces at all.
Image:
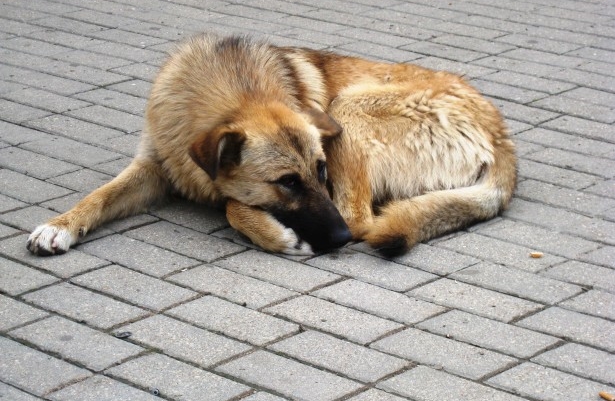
{"x":403,"y":223}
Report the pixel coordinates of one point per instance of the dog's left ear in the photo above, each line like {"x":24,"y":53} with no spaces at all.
{"x":217,"y":150}
{"x":327,"y":126}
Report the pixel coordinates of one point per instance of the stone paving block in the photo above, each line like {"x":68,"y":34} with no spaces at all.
{"x":527,"y":81}
{"x":500,"y":252}
{"x":16,"y":278}
{"x":288,"y":377}
{"x":532,"y":42}
{"x":286,"y":273}
{"x":604,"y":256}
{"x":426,"y":384}
{"x":137,"y":255}
{"x":8,"y":204}
{"x":67,"y":265}
{"x":487,"y":333}
{"x":557,"y":219}
{"x":375,"y":395}
{"x":577,"y":108}
{"x":378,"y":52}
{"x":517,"y":282}
{"x":538,"y":382}
{"x":176,"y":380}
{"x":76,"y":342}
{"x":371,"y":269}
{"x":83,"y":180}
{"x":113,"y":167}
{"x":581,"y":127}
{"x":233,"y":320}
{"x":76,"y":129}
{"x":544,"y":57}
{"x":586,"y":79}
{"x":126,"y":51}
{"x":6,"y":231}
{"x":71,"y":151}
{"x":28,"y":218}
{"x":260,"y":396}
{"x":523,"y":113}
{"x":125,"y":145}
{"x":234,"y":287}
{"x":47,"y":82}
{"x":14,"y":313}
{"x":348,"y":359}
{"x":503,"y":91}
{"x":115,"y":100}
{"x":475,"y":300}
{"x":141,"y":71}
{"x":476,"y":44}
{"x":538,"y":238}
{"x":580,"y":360}
{"x":518,"y":66}
{"x":456,"y":67}
{"x":591,"y":96}
{"x":603,"y":188}
{"x":192,"y":215}
{"x":357,"y":326}
{"x":45,"y":100}
{"x":572,"y":325}
{"x":593,"y":302}
{"x":28,"y":189}
{"x":11,"y":393}
{"x":183,"y":341}
{"x":584,"y":274}
{"x":379,"y":301}
{"x":185,"y":241}
{"x":133,"y":287}
{"x":18,"y":113}
{"x":444,"y":51}
{"x":135,"y":87}
{"x":559,"y":176}
{"x":107,"y":117}
{"x":33,"y":164}
{"x":34,"y":371}
{"x":101,"y":388}
{"x":429,"y":258}
{"x":442,"y":353}
{"x":84,"y":306}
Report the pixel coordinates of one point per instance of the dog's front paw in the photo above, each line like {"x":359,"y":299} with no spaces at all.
{"x":48,"y":240}
{"x":295,"y":245}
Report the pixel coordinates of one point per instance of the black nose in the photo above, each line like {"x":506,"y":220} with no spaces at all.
{"x":340,"y":237}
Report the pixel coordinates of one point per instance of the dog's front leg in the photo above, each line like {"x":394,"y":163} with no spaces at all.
{"x":264,"y":230}
{"x":135,"y":188}
{"x":351,"y":191}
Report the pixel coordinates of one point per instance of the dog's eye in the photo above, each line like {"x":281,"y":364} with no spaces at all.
{"x":290,"y":181}
{"x":322,"y":171}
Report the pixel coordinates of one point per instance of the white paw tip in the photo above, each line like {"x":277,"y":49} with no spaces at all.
{"x":48,"y":240}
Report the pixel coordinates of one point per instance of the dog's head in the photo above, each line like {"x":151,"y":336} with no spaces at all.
{"x":272,"y":157}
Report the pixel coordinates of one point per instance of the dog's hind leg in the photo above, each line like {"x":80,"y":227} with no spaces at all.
{"x":264,"y":230}
{"x":134,"y":189}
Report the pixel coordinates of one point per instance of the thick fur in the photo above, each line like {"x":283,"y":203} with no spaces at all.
{"x":250,"y":126}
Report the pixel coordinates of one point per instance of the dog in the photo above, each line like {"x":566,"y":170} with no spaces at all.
{"x":308,"y":150}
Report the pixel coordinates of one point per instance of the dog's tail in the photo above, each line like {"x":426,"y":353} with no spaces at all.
{"x":403,"y":223}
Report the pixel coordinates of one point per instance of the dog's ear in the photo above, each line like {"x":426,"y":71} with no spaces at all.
{"x":217,"y":150}
{"x":327,"y":126}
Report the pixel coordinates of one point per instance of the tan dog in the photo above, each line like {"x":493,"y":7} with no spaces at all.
{"x":258,"y":128}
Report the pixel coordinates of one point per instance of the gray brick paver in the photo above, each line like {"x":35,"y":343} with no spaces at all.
{"x":177,"y":380}
{"x":74,"y":80}
{"x":288,"y":377}
{"x":76,"y":342}
{"x":444,"y":353}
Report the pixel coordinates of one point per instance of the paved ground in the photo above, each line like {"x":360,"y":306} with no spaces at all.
{"x":467,"y":317}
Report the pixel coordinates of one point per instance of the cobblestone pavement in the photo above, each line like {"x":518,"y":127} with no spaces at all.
{"x":467,"y":317}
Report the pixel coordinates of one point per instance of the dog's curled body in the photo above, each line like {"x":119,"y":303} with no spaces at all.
{"x":256,"y":128}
